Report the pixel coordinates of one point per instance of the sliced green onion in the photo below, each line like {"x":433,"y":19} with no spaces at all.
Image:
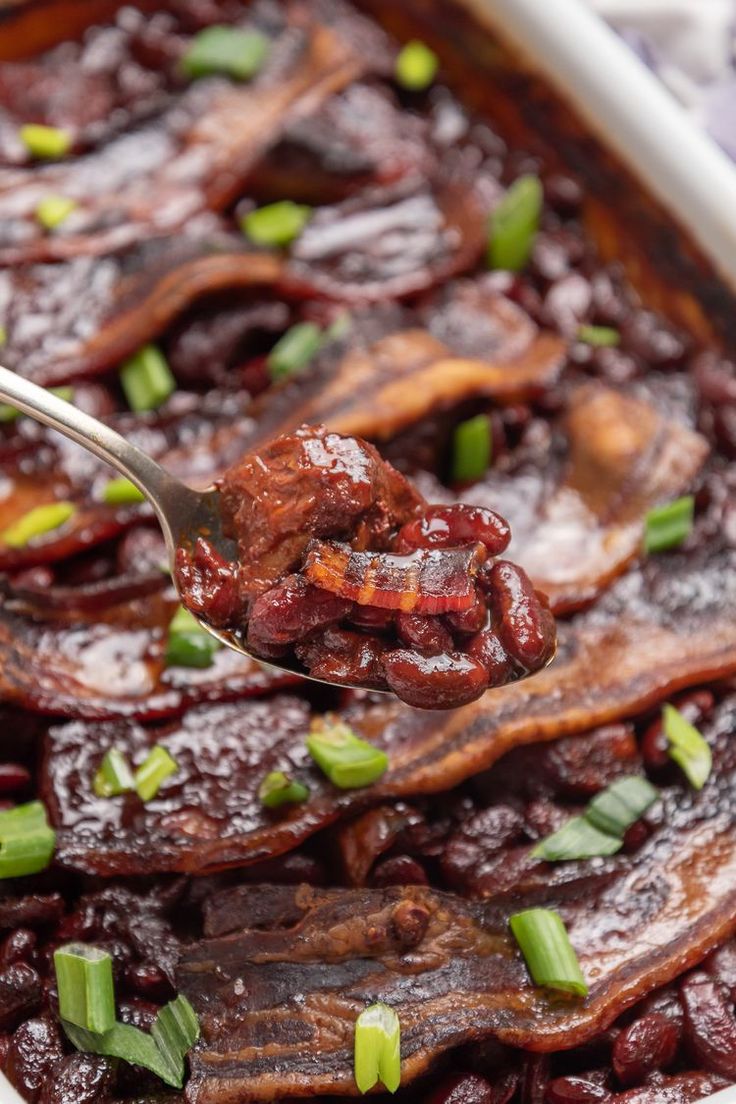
{"x":174,"y":1031}
{"x":348,"y":761}
{"x":40,"y":520}
{"x":114,"y":775}
{"x":514,"y":223}
{"x":53,"y":209}
{"x":377,"y":1048}
{"x":687,"y":747}
{"x":472,"y":448}
{"x":668,"y":526}
{"x":3,"y":336}
{"x":146,"y":379}
{"x":416,"y":66}
{"x":293,"y":352}
{"x":546,"y":948}
{"x":45,"y":142}
{"x":278,"y":789}
{"x":121,"y":492}
{"x":84,"y":981}
{"x":576,"y":839}
{"x":10,"y":413}
{"x":189,"y":645}
{"x":617,"y":807}
{"x":155,"y":769}
{"x":277,"y":224}
{"x":603,"y":336}
{"x":340,"y":327}
{"x":26,"y":840}
{"x":231,"y":51}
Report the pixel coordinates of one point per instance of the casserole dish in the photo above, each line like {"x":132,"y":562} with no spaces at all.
{"x":162,"y":863}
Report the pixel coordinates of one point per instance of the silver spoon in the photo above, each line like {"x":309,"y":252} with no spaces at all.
{"x":183,"y":513}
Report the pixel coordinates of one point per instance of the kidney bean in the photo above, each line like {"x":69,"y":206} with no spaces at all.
{"x":488,"y":650}
{"x":80,"y":1079}
{"x":563,"y":193}
{"x":434,"y":682}
{"x":647,"y":1044}
{"x":694,"y":707}
{"x":372,"y":618}
{"x":477,"y":839}
{"x":13,"y":777}
{"x":34,"y":1050}
{"x":453,"y":526}
{"x":721,"y":965}
{"x":149,"y":981}
{"x":648,"y":336}
{"x":426,"y":634}
{"x":710,"y":1025}
{"x":18,"y":946}
{"x":524,"y":626}
{"x":399,"y":870}
{"x":575,"y":1090}
{"x":462,"y":1088}
{"x":291,"y":610}
{"x":567,"y":302}
{"x":534,"y":1078}
{"x":471,"y":620}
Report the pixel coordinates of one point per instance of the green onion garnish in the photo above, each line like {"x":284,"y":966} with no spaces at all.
{"x":189,"y":645}
{"x":600,"y":829}
{"x":173,"y":1033}
{"x":84,"y":981}
{"x":277,"y":224}
{"x":228,"y":50}
{"x":278,"y":789}
{"x":687,"y":747}
{"x":3,"y":336}
{"x":377,"y":1048}
{"x":155,"y":769}
{"x":114,"y":775}
{"x":546,"y":947}
{"x":53,"y":209}
{"x":293,"y":352}
{"x":26,"y":840}
{"x":514,"y":223}
{"x":472,"y":448}
{"x":603,"y":336}
{"x":668,"y":526}
{"x":10,"y":413}
{"x":45,"y":142}
{"x":121,"y":492}
{"x":416,"y":66}
{"x":146,"y":379}
{"x":40,"y":520}
{"x":348,"y":761}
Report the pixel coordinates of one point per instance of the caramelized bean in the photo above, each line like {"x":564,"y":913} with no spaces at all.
{"x":647,"y":1044}
{"x":524,"y":626}
{"x":451,"y":526}
{"x":434,"y":682}
{"x":710,"y":1026}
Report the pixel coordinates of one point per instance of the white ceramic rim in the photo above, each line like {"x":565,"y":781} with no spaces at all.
{"x":627,"y":109}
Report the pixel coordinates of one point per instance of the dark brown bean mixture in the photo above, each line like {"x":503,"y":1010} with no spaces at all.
{"x":586,"y":440}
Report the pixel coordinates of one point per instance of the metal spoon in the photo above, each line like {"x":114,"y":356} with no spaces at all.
{"x":183,"y":513}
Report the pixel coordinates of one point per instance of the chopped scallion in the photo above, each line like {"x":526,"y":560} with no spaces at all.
{"x":514,"y":224}
{"x":114,"y":775}
{"x":232,"y":51}
{"x":687,"y":747}
{"x":602,"y":336}
{"x":26,"y":840}
{"x":278,"y":789}
{"x":547,"y":950}
{"x":416,"y":66}
{"x":146,"y":379}
{"x":377,"y":1054}
{"x":277,"y":224}
{"x":3,"y":336}
{"x":121,"y":492}
{"x":155,"y":769}
{"x":45,"y":142}
{"x":668,"y":526}
{"x":10,"y":413}
{"x":348,"y":761}
{"x":577,"y":839}
{"x":600,"y":829}
{"x":37,"y":522}
{"x":85,"y":985}
{"x":189,"y":645}
{"x":54,"y":209}
{"x":472,"y":448}
{"x":293,"y":352}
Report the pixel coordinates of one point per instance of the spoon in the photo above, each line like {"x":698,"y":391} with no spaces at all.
{"x":183,"y":513}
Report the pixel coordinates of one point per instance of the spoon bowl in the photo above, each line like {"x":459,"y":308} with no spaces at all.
{"x":184,"y":514}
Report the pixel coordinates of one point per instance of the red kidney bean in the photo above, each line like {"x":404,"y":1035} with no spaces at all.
{"x":18,"y":946}
{"x":372,"y":618}
{"x":524,"y":626}
{"x":564,"y":193}
{"x":80,"y":1079}
{"x":13,"y":777}
{"x":469,"y":621}
{"x":20,"y":994}
{"x":34,"y":1050}
{"x":291,"y":610}
{"x":654,"y":744}
{"x":434,"y":682}
{"x":534,"y":1078}
{"x":721,"y":965}
{"x":647,"y":1044}
{"x":426,"y":634}
{"x":453,"y":526}
{"x":462,"y":1088}
{"x":567,"y":302}
{"x":648,"y":336}
{"x":575,"y":1090}
{"x":710,"y":1025}
{"x":488,"y":650}
{"x":149,"y":981}
{"x":399,"y":870}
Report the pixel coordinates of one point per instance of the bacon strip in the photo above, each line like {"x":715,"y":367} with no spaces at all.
{"x":279,"y":983}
